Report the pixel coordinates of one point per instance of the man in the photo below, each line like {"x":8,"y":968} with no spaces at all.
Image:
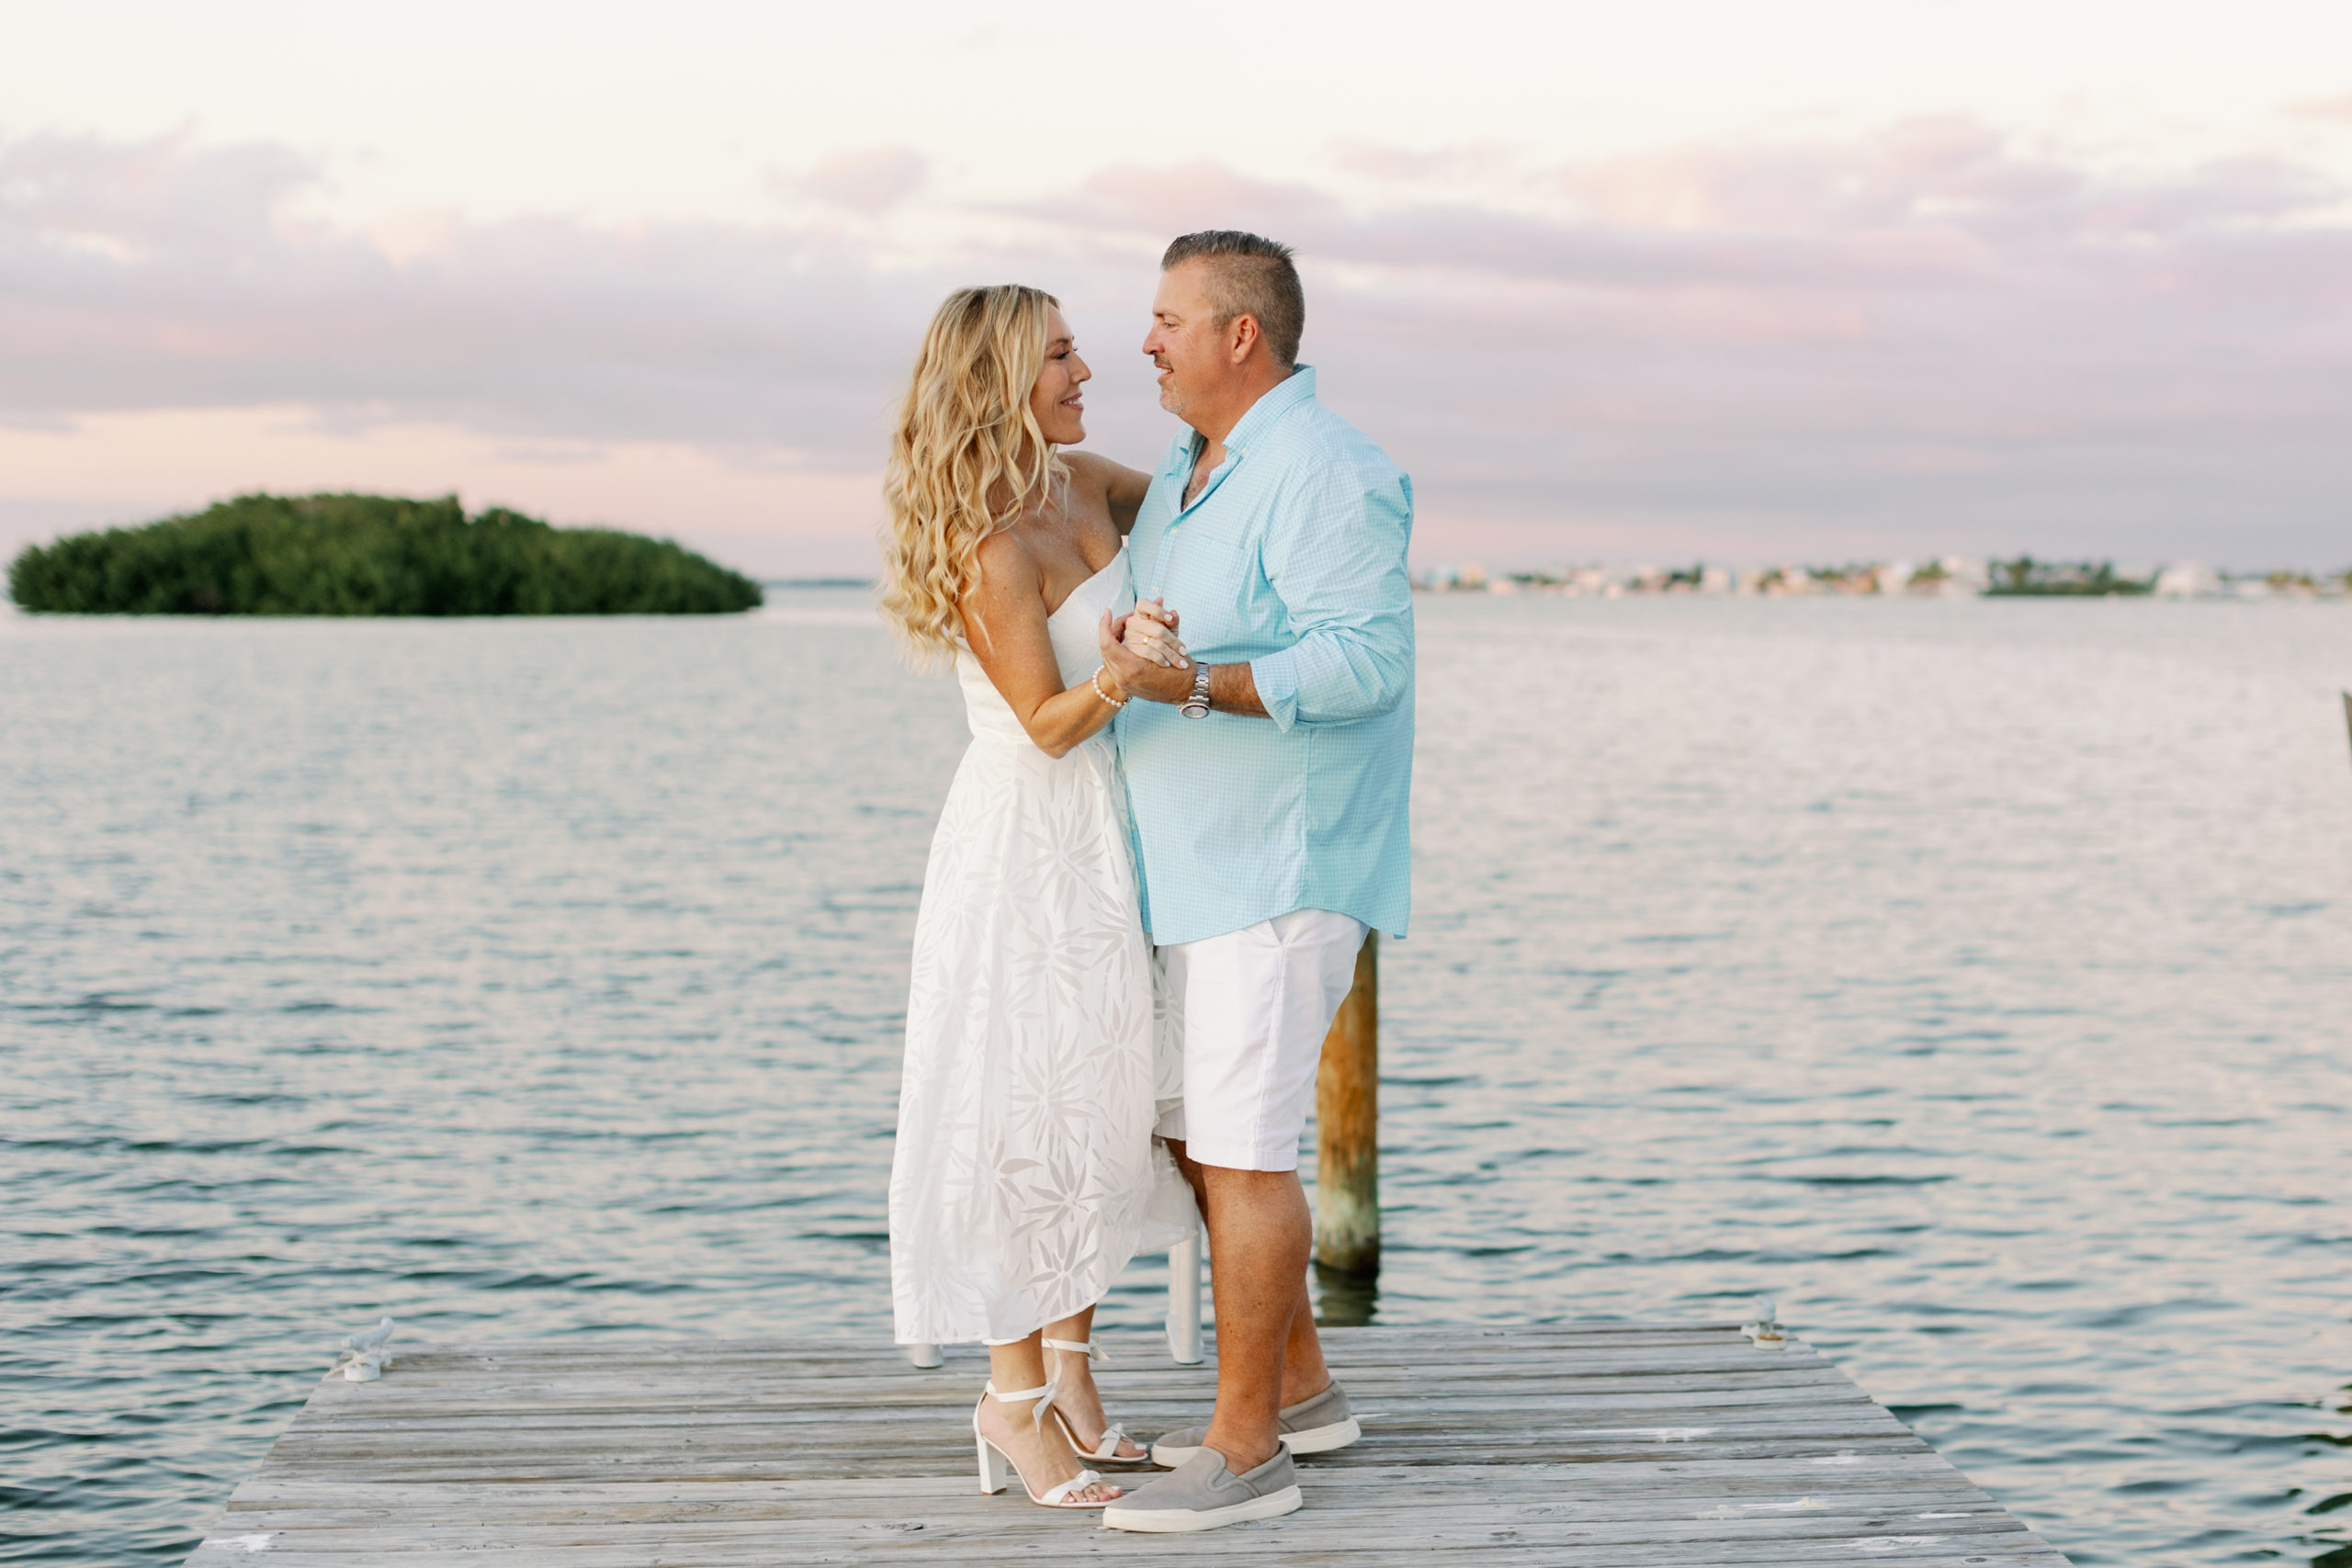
{"x":1269,"y":782}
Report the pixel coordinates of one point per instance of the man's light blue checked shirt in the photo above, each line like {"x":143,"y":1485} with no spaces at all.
{"x":1293,"y":561}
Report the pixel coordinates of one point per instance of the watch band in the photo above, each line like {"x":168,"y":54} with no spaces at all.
{"x":1197,"y":705}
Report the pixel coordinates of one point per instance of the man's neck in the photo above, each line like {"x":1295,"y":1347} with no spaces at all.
{"x":1230,"y":411}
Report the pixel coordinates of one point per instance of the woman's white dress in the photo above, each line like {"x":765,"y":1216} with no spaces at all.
{"x":1025,"y":1174}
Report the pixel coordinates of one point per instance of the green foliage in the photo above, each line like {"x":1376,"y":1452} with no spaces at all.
{"x":2026,"y":578}
{"x":367,"y":555}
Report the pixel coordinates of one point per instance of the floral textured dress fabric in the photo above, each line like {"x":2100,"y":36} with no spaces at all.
{"x":1025,"y":1174}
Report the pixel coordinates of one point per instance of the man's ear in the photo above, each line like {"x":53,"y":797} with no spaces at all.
{"x":1244,"y":336}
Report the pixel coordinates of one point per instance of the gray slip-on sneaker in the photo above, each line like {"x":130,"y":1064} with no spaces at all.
{"x":1202,"y":1494}
{"x":1314,"y":1425}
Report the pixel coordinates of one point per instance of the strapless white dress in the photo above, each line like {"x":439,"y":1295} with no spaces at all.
{"x":1025,"y":1174}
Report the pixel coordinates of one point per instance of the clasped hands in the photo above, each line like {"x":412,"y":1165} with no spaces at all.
{"x":1143,"y":655}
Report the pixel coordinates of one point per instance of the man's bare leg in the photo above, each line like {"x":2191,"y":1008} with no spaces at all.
{"x":1259,"y":1234}
{"x":1305,"y":1374}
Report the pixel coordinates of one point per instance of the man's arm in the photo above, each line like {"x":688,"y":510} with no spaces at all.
{"x":1141,"y":677}
{"x":1232,"y":687}
{"x":1342,"y":577}
{"x":1341,"y":574}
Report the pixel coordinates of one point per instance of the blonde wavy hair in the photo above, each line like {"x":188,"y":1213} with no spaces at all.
{"x":966,"y":456}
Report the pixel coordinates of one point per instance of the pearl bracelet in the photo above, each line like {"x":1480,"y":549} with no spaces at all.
{"x":1095,"y":680}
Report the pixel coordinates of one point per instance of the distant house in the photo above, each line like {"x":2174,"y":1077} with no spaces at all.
{"x":1950,"y":577}
{"x":2187,"y":579}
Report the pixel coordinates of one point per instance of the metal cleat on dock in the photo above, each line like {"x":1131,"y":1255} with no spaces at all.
{"x":364,"y":1356}
{"x":1765,"y":1330}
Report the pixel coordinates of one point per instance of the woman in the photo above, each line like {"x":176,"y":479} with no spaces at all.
{"x":1025,"y":1173}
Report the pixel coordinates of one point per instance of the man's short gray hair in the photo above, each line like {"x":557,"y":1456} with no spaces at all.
{"x":1249,"y":276}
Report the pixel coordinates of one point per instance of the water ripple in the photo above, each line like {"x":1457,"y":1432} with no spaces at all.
{"x":1965,"y":975}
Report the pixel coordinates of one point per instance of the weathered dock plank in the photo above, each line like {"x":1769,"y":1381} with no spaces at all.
{"x":1573,"y":1445}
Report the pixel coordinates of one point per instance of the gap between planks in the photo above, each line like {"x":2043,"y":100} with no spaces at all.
{"x":1577,"y":1445}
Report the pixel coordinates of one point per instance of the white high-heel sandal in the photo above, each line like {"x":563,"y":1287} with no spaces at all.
{"x":1105,"y":1451}
{"x":995,"y":1462}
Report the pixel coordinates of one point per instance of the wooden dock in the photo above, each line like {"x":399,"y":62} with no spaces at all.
{"x":1604,"y":1445}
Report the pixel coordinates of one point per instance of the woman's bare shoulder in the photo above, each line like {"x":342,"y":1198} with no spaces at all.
{"x":1088,"y":472}
{"x":1119,"y":488}
{"x":1008,"y":599}
{"x":1006,"y":565}
{"x":1100,"y":473}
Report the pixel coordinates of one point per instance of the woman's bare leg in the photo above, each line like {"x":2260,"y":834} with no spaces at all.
{"x":1043,"y":1456}
{"x":1078,"y":1399}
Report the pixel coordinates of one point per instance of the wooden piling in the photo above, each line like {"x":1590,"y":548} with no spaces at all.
{"x":1347,"y":1115}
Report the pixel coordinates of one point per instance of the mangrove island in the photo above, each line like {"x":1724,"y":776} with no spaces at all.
{"x":370,"y":555}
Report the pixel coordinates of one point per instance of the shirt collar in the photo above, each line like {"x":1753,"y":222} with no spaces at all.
{"x":1275,"y":401}
{"x":1278,"y":401}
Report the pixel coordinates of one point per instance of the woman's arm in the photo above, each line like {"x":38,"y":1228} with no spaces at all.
{"x":1004,"y":621}
{"x":1122,"y":488}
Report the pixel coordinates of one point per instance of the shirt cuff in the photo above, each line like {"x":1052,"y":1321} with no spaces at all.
{"x":1276,"y":678}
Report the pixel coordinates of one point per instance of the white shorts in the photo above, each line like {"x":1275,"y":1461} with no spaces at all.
{"x":1246,"y":1014}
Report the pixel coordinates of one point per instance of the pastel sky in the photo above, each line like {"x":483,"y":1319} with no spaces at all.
{"x":1821,"y":279}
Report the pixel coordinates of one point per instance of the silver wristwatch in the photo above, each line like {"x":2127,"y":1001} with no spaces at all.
{"x":1197,"y":705}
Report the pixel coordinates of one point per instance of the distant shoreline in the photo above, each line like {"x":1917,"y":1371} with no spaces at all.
{"x":1949,"y":577}
{"x":1603,"y":584}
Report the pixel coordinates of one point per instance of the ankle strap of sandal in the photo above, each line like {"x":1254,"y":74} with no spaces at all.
{"x":1094,"y":1353}
{"x":1043,"y":1394}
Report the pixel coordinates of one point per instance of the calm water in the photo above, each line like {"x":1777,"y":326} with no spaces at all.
{"x":1972,"y":976}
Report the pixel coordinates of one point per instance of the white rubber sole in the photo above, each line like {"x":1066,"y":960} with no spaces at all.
{"x":1191,"y":1521}
{"x":1323,"y":1439}
{"x":1314,"y":1441}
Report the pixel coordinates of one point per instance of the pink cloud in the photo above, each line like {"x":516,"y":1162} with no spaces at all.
{"x":2324,"y":108}
{"x":160,"y":275}
{"x":1183,"y":197}
{"x":1413,"y":166}
{"x":872,"y":180}
{"x":1931,"y":332}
